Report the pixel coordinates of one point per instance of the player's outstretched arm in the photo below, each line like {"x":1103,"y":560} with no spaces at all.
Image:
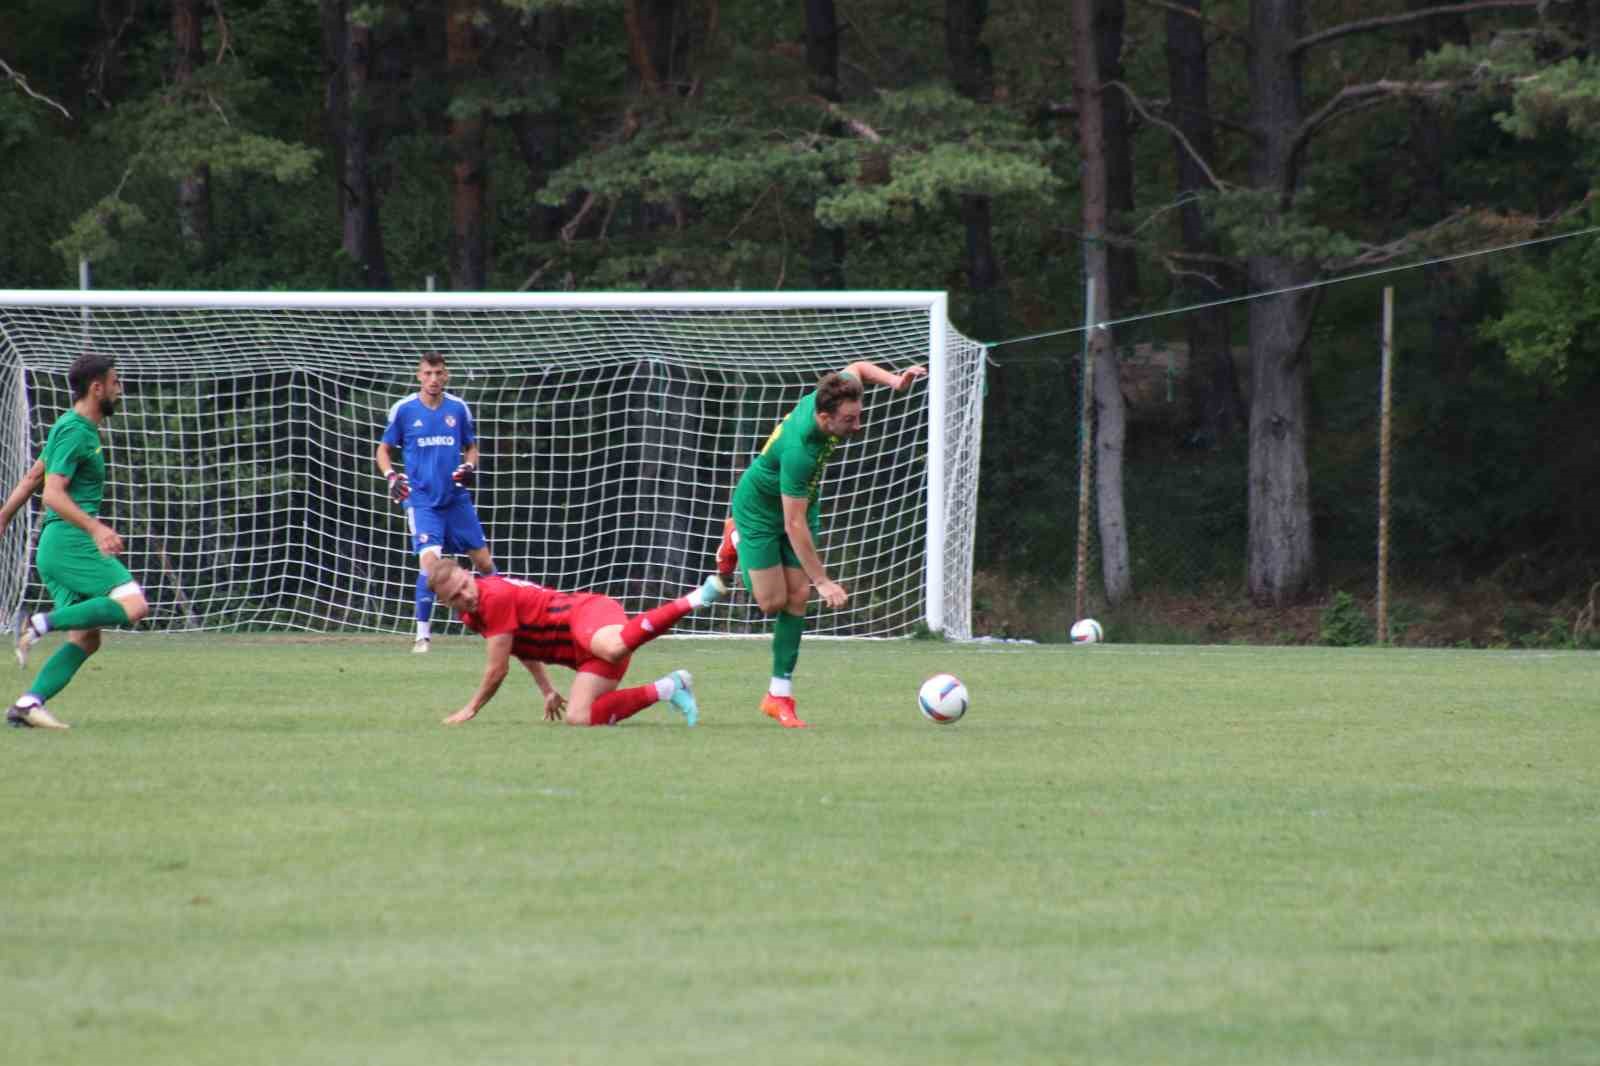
{"x":898,"y":380}
{"x":497,"y":660}
{"x":30,"y":484}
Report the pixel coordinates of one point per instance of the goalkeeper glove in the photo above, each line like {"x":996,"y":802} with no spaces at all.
{"x":464,"y":474}
{"x":399,"y":486}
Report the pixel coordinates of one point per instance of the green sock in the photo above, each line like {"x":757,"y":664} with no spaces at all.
{"x":58,"y":670}
{"x":786,"y":631}
{"x":90,"y":614}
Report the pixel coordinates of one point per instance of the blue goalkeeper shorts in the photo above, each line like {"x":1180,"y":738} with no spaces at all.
{"x":452,"y":527}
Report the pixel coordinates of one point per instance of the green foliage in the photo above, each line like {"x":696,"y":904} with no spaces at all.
{"x":1553,"y":311}
{"x":97,"y":234}
{"x":1256,"y":224}
{"x":1345,"y":624}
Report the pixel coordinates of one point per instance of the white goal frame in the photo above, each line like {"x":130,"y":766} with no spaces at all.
{"x":33,"y":361}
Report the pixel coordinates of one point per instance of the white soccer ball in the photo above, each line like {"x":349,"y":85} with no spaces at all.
{"x":943,"y":699}
{"x":1087,"y":631}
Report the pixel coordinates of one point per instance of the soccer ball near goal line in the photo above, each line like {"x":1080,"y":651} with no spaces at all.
{"x":1087,"y":631}
{"x":943,"y":699}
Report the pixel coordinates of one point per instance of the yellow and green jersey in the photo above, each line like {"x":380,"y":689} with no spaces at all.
{"x":791,"y":464}
{"x":73,"y":449}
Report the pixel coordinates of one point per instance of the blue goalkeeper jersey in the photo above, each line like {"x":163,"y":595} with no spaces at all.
{"x":432,"y":441}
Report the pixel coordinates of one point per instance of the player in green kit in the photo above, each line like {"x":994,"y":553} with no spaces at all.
{"x":77,"y":553}
{"x":772,"y":535}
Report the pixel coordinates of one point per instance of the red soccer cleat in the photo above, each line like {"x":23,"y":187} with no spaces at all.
{"x":728,"y":552}
{"x":782,"y":708}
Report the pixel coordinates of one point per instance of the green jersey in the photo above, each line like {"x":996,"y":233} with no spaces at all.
{"x":73,"y":450}
{"x":791,"y":464}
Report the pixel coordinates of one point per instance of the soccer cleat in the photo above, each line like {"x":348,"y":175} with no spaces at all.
{"x":782,"y":709}
{"x":420,"y":647}
{"x":683,"y":696}
{"x":27,"y":636}
{"x":713,"y":590}
{"x":32,"y":716}
{"x":728,"y":551}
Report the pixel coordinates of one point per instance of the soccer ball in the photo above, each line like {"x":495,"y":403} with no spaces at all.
{"x":1087,"y":631}
{"x":943,"y":699}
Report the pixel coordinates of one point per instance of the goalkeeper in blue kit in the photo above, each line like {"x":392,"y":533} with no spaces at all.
{"x":433,"y":430}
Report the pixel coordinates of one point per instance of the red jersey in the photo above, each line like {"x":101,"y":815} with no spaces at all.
{"x":547,"y":625}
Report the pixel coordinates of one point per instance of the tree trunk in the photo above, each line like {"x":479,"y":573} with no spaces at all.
{"x":1282,"y":560}
{"x":1122,"y":261}
{"x":650,"y":41}
{"x":1110,"y":415}
{"x":972,"y":74}
{"x":1216,"y":403}
{"x":538,"y":134}
{"x":822,"y":70}
{"x":335,"y":93}
{"x":362,"y":237}
{"x":469,"y":171}
{"x":194,"y":188}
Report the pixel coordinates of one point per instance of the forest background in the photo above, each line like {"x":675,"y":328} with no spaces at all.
{"x":1184,"y":155}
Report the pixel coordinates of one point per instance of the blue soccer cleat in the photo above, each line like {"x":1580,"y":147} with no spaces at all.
{"x":712,"y":590}
{"x":683,"y":696}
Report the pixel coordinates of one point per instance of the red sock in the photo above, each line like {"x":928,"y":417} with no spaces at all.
{"x":654,"y":622}
{"x":613,"y":707}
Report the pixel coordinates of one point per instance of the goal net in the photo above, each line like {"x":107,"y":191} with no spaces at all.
{"x":613,"y":427}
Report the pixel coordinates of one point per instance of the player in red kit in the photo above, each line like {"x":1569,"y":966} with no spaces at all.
{"x":584,"y":631}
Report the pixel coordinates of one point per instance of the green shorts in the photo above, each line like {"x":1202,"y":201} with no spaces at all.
{"x":72,"y":568}
{"x":761,"y":547}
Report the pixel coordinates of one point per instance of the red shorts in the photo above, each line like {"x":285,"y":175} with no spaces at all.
{"x":592,"y":612}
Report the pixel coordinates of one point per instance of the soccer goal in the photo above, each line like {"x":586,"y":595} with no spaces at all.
{"x":612,"y":427}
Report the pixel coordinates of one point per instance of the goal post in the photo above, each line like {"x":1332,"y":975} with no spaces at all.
{"x":613,"y":427}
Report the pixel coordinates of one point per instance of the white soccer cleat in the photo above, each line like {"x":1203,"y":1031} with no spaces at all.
{"x":33,"y":716}
{"x":420,"y":647}
{"x":27,"y":636}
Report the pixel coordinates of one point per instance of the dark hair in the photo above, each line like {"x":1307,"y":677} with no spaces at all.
{"x":434,"y":359}
{"x":835,"y":389}
{"x":87,"y":369}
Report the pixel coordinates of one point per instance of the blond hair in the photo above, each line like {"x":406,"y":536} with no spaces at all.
{"x":442,"y":570}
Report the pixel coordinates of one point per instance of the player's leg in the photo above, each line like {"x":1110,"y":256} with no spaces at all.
{"x":601,"y":633}
{"x":728,"y":551}
{"x":427,"y":540}
{"x":463,"y":535}
{"x":614,"y":642}
{"x":787,"y":629}
{"x":89,"y":590}
{"x":595,"y":698}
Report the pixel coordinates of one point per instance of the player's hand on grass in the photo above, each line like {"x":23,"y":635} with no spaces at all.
{"x":907,"y":376}
{"x":399,"y":486}
{"x":555,"y":706}
{"x":832,"y":593}
{"x":465,"y":714}
{"x":463,"y":474}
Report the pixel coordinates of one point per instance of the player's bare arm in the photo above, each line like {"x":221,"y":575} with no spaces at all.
{"x":798,"y":531}
{"x":56,"y":498}
{"x":898,"y":380}
{"x":555,"y":704}
{"x":497,"y":661}
{"x":30,"y":484}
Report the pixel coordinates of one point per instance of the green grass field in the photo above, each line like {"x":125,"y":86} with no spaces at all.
{"x":266,"y":850}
